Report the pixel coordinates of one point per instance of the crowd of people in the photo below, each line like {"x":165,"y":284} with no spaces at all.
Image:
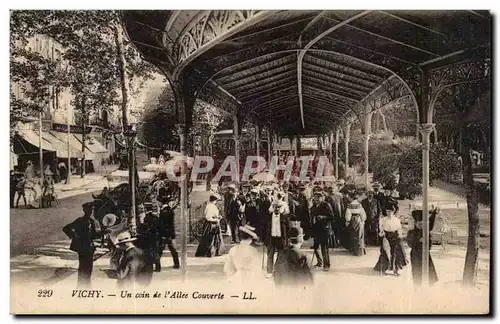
{"x":268,"y":223}
{"x":333,"y":214}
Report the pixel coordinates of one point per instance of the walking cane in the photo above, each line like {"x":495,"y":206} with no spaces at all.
{"x":221,"y":238}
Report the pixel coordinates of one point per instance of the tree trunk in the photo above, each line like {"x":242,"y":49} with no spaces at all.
{"x":122,"y":66}
{"x":472,"y":255}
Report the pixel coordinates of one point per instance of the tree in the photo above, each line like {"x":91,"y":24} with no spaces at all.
{"x":207,"y":119}
{"x":158,"y":122}
{"x":31,"y":72}
{"x":465,"y":98}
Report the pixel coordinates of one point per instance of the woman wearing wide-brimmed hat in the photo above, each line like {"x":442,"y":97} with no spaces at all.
{"x":211,"y":238}
{"x":244,"y":261}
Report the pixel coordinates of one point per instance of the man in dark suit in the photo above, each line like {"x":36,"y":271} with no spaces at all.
{"x":167,"y":235}
{"x":288,"y":199}
{"x":322,"y":216}
{"x":335,"y":200}
{"x":276,"y":230}
{"x":373,"y":211}
{"x":135,"y":268}
{"x":302,"y":211}
{"x":233,"y":214}
{"x":82,"y":232}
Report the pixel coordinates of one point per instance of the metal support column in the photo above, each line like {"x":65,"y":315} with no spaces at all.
{"x":184,"y":201}
{"x":236,"y":143}
{"x":425,"y":130}
{"x":337,"y":139}
{"x":257,"y":140}
{"x":366,"y":138}
{"x":268,"y":144}
{"x":347,"y":135}
{"x":69,"y":148}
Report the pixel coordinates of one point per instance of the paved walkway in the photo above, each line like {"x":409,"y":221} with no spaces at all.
{"x":351,"y":286}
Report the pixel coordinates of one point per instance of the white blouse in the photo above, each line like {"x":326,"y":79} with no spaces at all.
{"x":211,"y":212}
{"x":390,"y":224}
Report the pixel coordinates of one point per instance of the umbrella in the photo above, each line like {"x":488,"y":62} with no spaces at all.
{"x":264,"y":176}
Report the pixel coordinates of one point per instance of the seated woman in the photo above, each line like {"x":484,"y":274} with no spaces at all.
{"x":415,"y":242}
{"x":244,"y":261}
{"x":211,"y":238}
{"x":392,"y":255}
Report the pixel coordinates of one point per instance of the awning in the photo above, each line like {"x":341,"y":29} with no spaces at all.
{"x":75,"y":144}
{"x":61,"y":143}
{"x":32,"y":137}
{"x":92,"y":144}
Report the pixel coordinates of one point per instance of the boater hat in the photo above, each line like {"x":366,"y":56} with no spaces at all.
{"x":249,"y":230}
{"x":124,"y":237}
{"x":109,"y":220}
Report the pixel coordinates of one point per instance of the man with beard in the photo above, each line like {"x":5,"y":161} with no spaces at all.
{"x":373,"y":211}
{"x":322,"y":216}
{"x":276,"y":231}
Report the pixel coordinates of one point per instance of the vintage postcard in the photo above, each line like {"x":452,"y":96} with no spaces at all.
{"x":250,"y":161}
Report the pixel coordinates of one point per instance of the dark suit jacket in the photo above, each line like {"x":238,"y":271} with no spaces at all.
{"x":82,"y":231}
{"x":135,"y":267}
{"x":372,"y":209}
{"x":267,"y":228}
{"x":167,"y":223}
{"x":335,"y":202}
{"x":321,"y":225}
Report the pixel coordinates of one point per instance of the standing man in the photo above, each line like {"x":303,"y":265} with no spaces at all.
{"x":302,"y":211}
{"x":378,"y":194}
{"x":232,"y":209}
{"x":322,"y":216}
{"x":167,"y":235}
{"x":288,"y":199}
{"x":82,"y":232}
{"x":373,"y":211}
{"x":276,"y":230}
{"x":335,"y":201}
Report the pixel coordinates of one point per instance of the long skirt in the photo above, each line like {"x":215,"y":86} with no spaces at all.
{"x":416,"y":267}
{"x":392,"y":255}
{"x":344,"y":236}
{"x":357,"y":236}
{"x":210,"y":240}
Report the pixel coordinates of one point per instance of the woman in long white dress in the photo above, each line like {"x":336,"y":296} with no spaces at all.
{"x":244,"y":261}
{"x":392,"y":254}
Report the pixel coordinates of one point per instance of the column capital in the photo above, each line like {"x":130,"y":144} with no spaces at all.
{"x":366,"y":137}
{"x":426,"y":128}
{"x":181,"y":127}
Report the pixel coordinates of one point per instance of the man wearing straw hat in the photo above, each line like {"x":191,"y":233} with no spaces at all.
{"x":135,"y":266}
{"x":291,"y":266}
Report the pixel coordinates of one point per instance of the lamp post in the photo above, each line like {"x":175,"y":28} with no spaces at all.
{"x":130,"y":133}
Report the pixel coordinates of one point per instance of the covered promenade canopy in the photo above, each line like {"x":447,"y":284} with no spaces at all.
{"x":308,"y":72}
{"x":316,"y":72}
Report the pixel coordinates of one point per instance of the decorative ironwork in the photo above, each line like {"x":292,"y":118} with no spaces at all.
{"x":466,"y":71}
{"x":210,"y":25}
